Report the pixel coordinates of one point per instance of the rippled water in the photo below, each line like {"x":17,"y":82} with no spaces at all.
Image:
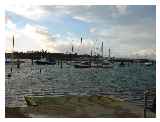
{"x":127,"y":83}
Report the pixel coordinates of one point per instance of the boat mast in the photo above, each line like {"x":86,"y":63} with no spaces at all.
{"x":72,"y":49}
{"x":12,"y":53}
{"x":102,"y":49}
{"x":109,"y":54}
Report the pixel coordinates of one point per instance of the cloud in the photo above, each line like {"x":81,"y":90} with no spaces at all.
{"x":122,"y":9}
{"x":10,"y":25}
{"x":30,"y":37}
{"x":30,"y":12}
{"x":92,"y":30}
{"x":66,"y":46}
{"x":36,"y":38}
{"x":81,"y":19}
{"x":126,"y":39}
{"x":145,"y":53}
{"x":127,"y":30}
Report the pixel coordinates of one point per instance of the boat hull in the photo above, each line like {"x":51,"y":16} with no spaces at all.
{"x":82,"y":66}
{"x":45,"y":63}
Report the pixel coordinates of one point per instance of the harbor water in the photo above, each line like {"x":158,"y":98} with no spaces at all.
{"x":127,"y":82}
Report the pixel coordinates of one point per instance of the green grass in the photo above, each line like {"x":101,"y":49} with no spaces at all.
{"x":74,"y":101}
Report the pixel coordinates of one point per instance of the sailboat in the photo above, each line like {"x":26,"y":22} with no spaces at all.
{"x":11,"y":61}
{"x":82,"y":64}
{"x":107,"y":63}
{"x":102,"y":62}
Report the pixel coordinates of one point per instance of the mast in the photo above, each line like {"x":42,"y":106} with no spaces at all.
{"x":12,"y":53}
{"x":81,"y":40}
{"x":109,"y":54}
{"x":72,"y":49}
{"x":102,"y":49}
{"x":91,"y":53}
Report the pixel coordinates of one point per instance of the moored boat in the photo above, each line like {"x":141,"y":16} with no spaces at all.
{"x":148,"y":63}
{"x":85,"y":64}
{"x":45,"y":62}
{"x":121,"y":64}
{"x":107,"y":65}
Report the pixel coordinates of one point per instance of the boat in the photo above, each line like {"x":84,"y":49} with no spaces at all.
{"x":8,"y":61}
{"x":121,"y":64}
{"x":103,"y":63}
{"x":148,"y":63}
{"x":107,"y":65}
{"x":72,"y":63}
{"x":85,"y":64}
{"x":45,"y":62}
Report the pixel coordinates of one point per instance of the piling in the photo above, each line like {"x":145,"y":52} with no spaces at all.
{"x":58,"y":62}
{"x":18,"y":64}
{"x":11,"y":69}
{"x":32,"y":61}
{"x":40,"y":70}
{"x":145,"y":104}
{"x":9,"y":75}
{"x":61,"y":64}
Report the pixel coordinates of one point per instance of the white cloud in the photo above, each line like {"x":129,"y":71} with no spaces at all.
{"x":145,"y":53}
{"x":114,"y":25}
{"x":30,"y":12}
{"x":35,"y":37}
{"x":31,"y":37}
{"x":122,"y":9}
{"x":10,"y":25}
{"x":65,"y":46}
{"x":126,"y":39}
{"x":81,"y":18}
{"x":92,"y":30}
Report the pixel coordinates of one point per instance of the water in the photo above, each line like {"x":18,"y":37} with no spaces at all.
{"x":127,"y":83}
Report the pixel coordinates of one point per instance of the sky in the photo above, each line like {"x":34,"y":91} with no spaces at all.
{"x":129,"y":31}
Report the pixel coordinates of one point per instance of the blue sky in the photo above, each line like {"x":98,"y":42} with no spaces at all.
{"x":128,"y":30}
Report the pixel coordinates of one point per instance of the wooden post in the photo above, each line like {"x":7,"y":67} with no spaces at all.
{"x":18,"y":64}
{"x":11,"y":69}
{"x":61,"y":64}
{"x":58,"y":62}
{"x":145,"y":104}
{"x":32,"y":61}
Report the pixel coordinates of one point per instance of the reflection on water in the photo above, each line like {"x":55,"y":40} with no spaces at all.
{"x":127,"y":83}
